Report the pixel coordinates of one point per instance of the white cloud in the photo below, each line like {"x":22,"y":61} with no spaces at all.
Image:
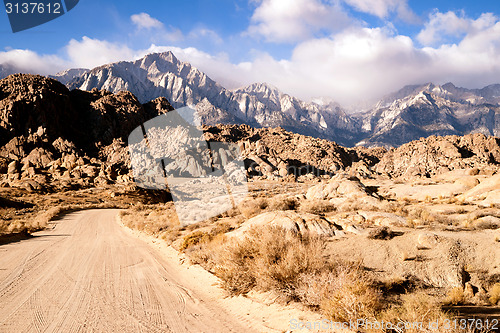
{"x":442,"y":26}
{"x":295,"y":20}
{"x":145,"y":21}
{"x":151,"y":29}
{"x":382,"y":8}
{"x":89,"y":53}
{"x":27,"y":61}
{"x":206,"y":34}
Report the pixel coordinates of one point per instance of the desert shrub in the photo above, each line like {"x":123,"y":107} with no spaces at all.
{"x":194,"y":238}
{"x":282,"y":203}
{"x":455,"y":296}
{"x":494,"y":294}
{"x":417,"y":307}
{"x":201,"y":237}
{"x":252,"y":207}
{"x":381,"y":233}
{"x":400,"y":284}
{"x":316,"y":206}
{"x":395,"y":207}
{"x":152,"y":219}
{"x":351,"y":295}
{"x":268,"y":259}
{"x":485,"y":224}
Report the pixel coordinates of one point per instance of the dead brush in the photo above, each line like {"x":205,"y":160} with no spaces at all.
{"x":350,"y":295}
{"x":414,"y":312}
{"x":316,"y":206}
{"x":252,"y":207}
{"x":267,"y":259}
{"x":494,"y":294}
{"x":281,"y":202}
{"x":152,"y":219}
{"x":200,"y":237}
{"x":455,"y":296}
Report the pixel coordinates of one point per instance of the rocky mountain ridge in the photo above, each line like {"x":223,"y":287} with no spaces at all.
{"x":259,"y":105}
{"x":413,"y":112}
{"x":432,"y":110}
{"x":52,"y":138}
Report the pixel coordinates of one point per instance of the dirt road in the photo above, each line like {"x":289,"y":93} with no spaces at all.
{"x":88,"y":274}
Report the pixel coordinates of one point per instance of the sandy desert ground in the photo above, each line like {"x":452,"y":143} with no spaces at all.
{"x":87,"y":273}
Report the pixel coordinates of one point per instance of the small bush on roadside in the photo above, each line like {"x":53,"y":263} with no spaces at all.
{"x":455,"y":296}
{"x":268,"y":259}
{"x":351,"y":295}
{"x":194,"y":238}
{"x":414,"y":313}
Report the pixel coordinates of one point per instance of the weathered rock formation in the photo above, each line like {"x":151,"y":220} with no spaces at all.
{"x":435,"y":155}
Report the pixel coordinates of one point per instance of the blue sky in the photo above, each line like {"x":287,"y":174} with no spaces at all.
{"x":343,"y":49}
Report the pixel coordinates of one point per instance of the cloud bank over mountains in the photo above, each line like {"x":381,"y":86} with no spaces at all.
{"x":333,"y":53}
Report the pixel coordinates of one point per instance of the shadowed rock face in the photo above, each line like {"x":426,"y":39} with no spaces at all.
{"x":28,"y":102}
{"x":48,"y":133}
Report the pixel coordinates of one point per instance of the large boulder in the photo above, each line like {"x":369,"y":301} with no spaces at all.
{"x":292,"y":221}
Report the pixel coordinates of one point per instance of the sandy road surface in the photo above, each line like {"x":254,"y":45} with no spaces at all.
{"x":88,"y":274}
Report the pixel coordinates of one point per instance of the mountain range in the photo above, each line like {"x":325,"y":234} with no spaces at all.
{"x":408,"y":114}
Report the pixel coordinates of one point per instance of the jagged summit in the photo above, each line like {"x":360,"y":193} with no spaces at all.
{"x":260,"y":104}
{"x":412,"y":112}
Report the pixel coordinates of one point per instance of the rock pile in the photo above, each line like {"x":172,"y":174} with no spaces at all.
{"x":52,"y":138}
{"x":276,"y":154}
{"x":436,"y":155}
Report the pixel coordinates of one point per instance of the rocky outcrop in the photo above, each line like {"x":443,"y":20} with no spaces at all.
{"x":274,"y":153}
{"x":436,"y":155}
{"x":53,"y":138}
{"x":301,"y":223}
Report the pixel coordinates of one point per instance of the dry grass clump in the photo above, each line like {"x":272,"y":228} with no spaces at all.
{"x":268,"y":259}
{"x":494,"y":294}
{"x":356,"y":205}
{"x":21,"y":226}
{"x":280,"y":202}
{"x":195,"y":238}
{"x":422,"y":215}
{"x":198,"y":237}
{"x":38,"y":220}
{"x":482,"y":224}
{"x":455,"y":296}
{"x":252,"y":207}
{"x":152,"y":219}
{"x":384,"y":233}
{"x":316,"y":206}
{"x":350,"y":295}
{"x":413,"y":309}
{"x":276,"y":260}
